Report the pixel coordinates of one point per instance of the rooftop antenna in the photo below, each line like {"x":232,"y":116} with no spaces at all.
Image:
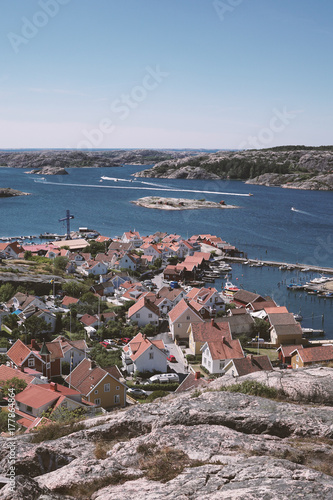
{"x":67,"y":218}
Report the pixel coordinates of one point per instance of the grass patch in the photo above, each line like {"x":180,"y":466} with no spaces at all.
{"x":55,"y":430}
{"x":84,"y":491}
{"x":163,"y":464}
{"x":254,"y":388}
{"x":271,"y":353}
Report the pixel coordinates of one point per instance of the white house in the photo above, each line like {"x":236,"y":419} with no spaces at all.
{"x":132,"y":237}
{"x":141,"y":355}
{"x":217,"y":354}
{"x":74,"y":350}
{"x":93,"y":267}
{"x":144,"y":312}
{"x":127,"y":262}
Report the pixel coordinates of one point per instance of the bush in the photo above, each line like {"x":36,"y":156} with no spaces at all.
{"x":254,"y":388}
{"x":155,"y":395}
{"x":55,"y":430}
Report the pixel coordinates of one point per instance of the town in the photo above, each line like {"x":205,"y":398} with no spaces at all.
{"x":128,"y":319}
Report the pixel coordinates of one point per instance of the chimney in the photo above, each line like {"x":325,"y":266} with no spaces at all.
{"x":212,"y":321}
{"x":92,"y":365}
{"x":34,"y":344}
{"x":196,"y":375}
{"x":22,"y":368}
{"x":250,"y":356}
{"x":53,"y":386}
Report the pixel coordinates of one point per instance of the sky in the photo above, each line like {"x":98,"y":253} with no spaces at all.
{"x":212,"y":74}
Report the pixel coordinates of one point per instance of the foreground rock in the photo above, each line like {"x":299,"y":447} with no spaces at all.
{"x":295,"y":181}
{"x":177,"y":203}
{"x":9,"y":192}
{"x":192,"y":446}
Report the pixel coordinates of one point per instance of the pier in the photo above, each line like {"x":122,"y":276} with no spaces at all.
{"x":284,"y":265}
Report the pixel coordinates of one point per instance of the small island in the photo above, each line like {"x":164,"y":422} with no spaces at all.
{"x":9,"y":192}
{"x":179,"y":203}
{"x":48,"y":170}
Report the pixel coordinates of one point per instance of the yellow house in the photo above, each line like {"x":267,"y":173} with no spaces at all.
{"x":99,"y":386}
{"x":311,"y":356}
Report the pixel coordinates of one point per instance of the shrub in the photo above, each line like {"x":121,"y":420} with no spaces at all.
{"x":254,"y":388}
{"x":156,"y":394}
{"x":55,"y":430}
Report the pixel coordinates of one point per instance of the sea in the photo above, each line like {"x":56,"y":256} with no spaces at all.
{"x":274,"y":224}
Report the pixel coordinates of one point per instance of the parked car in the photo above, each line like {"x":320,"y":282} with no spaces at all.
{"x":172,"y":358}
{"x":136,"y":392}
{"x":125,"y":340}
{"x":163,"y":378}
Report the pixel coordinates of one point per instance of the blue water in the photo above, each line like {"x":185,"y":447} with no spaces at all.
{"x":265,"y":226}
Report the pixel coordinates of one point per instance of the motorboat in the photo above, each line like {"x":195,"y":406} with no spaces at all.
{"x":230,"y":287}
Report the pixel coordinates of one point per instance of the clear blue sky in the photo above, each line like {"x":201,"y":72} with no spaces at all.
{"x":165,"y":73}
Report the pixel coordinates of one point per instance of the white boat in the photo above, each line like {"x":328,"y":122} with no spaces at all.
{"x":229,"y":287}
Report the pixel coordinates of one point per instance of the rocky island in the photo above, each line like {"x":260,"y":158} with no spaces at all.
{"x":48,"y":170}
{"x":160,"y":203}
{"x":9,"y":193}
{"x":298,"y":167}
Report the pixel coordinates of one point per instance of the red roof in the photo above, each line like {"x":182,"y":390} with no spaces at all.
{"x":316,"y":354}
{"x":179,"y":309}
{"x":139,"y":344}
{"x":7,"y":373}
{"x":42,"y":394}
{"x":86,"y":376}
{"x":210,"y":331}
{"x":225,"y":349}
{"x":252,"y":364}
{"x":18,"y":352}
{"x":66,"y":301}
{"x":144,"y":302}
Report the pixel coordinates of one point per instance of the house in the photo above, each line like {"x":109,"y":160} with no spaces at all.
{"x":217,"y":354}
{"x":10,"y":250}
{"x":284,"y":329}
{"x":132,"y":237}
{"x":22,"y":301}
{"x":128,"y":261}
{"x":93,"y":267}
{"x":209,"y":298}
{"x":180,"y":318}
{"x":74,"y":351}
{"x":172,"y":273}
{"x":250,"y":364}
{"x":89,"y":320}
{"x":239,"y":324}
{"x":67,"y":302}
{"x":151,"y":250}
{"x":34,"y":400}
{"x":8,"y":373}
{"x":308,"y":356}
{"x":99,"y":386}
{"x":144,"y":312}
{"x":144,"y":355}
{"x":284,"y":352}
{"x":199,"y":333}
{"x":243,"y":298}
{"x":45,"y":358}
{"x":192,"y":381}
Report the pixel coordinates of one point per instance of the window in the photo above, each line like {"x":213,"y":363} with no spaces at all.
{"x":117,"y":388}
{"x":116,"y":399}
{"x":137,"y":315}
{"x":48,"y":366}
{"x":29,"y":409}
{"x":106,"y":387}
{"x":31,"y":362}
{"x":150,"y":315}
{"x":151,"y":355}
{"x":97,"y":401}
{"x":96,"y":392}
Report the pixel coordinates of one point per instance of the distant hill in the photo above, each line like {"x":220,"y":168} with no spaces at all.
{"x":300,"y":167}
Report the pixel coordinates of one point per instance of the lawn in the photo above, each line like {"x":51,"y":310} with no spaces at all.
{"x":271,"y":353}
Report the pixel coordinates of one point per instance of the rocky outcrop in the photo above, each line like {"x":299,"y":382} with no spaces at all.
{"x":49,"y":171}
{"x":295,"y":181}
{"x":9,"y":192}
{"x":207,"y":445}
{"x":76,"y":158}
{"x":296,"y":167}
{"x":161,"y":203}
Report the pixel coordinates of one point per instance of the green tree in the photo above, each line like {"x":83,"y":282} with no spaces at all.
{"x":7,"y":291}
{"x":60,"y":263}
{"x":36,"y":326}
{"x":260,"y":328}
{"x":94,"y":248}
{"x":11,"y":321}
{"x":75,"y":288}
{"x":14,"y":383}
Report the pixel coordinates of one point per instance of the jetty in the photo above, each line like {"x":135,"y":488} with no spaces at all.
{"x":283,"y":265}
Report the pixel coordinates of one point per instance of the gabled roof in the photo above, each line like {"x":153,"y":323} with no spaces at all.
{"x":286,"y":350}
{"x":281,"y":319}
{"x":42,"y":394}
{"x":190,"y":383}
{"x":88,"y":320}
{"x":86,"y":376}
{"x":224,"y":349}
{"x":66,"y":301}
{"x":7,"y":373}
{"x":245,"y":297}
{"x":290,"y":330}
{"x":316,"y":354}
{"x":210,"y":331}
{"x":276,"y":310}
{"x":170,"y":293}
{"x":140,"y":343}
{"x":180,"y":309}
{"x":251,"y":364}
{"x":18,"y":352}
{"x":141,"y":303}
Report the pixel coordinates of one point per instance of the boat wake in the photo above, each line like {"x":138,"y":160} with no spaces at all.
{"x":172,"y":190}
{"x":116,"y":179}
{"x":302,"y":212}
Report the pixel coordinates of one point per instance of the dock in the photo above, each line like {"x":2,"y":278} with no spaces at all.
{"x":286,"y":266}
